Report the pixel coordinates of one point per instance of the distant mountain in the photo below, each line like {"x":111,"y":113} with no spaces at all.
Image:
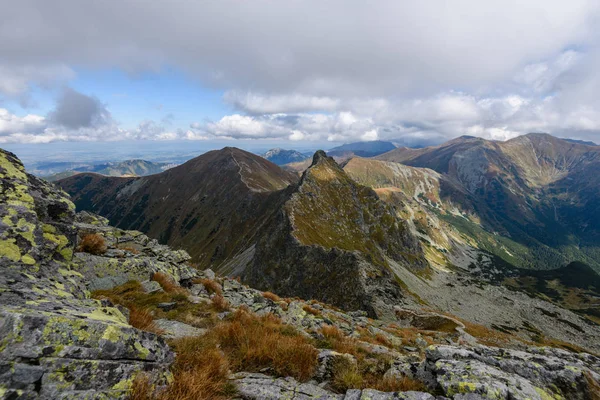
{"x":361,"y":149}
{"x":280,"y":156}
{"x":211,"y":205}
{"x":540,"y":194}
{"x":123,"y":168}
{"x":587,"y":143}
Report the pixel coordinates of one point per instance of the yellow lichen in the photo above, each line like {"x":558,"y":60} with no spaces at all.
{"x":10,"y":250}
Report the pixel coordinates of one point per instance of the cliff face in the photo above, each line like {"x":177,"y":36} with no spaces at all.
{"x":56,"y":342}
{"x":331,"y":241}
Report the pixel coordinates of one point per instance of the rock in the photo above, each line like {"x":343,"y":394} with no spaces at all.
{"x":253,"y":386}
{"x":329,"y":360}
{"x":198,"y":290}
{"x":503,"y":373}
{"x":209,"y":273}
{"x":176,"y":329}
{"x":55,"y":341}
{"x":167,"y":306}
{"x":151,"y":286}
{"x":106,"y":283}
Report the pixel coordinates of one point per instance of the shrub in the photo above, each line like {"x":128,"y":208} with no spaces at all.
{"x":346,"y":375}
{"x":93,"y":243}
{"x":130,"y":249}
{"x":335,"y":339}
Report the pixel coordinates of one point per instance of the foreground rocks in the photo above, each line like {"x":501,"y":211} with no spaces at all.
{"x":56,"y":342}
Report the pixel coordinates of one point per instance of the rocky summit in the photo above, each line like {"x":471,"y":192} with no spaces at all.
{"x":96,"y":312}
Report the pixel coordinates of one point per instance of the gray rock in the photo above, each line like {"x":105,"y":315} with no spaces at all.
{"x":504,"y":373}
{"x":328,"y":360}
{"x":253,"y":386}
{"x":151,"y":286}
{"x":209,"y":273}
{"x":106,"y":283}
{"x":175,"y":329}
{"x":167,"y":306}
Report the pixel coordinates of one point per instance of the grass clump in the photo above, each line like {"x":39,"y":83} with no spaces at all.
{"x":199,"y":372}
{"x":210,"y":285}
{"x":252,"y":343}
{"x":93,"y":243}
{"x":271,"y":296}
{"x":168,"y":284}
{"x":311,"y":310}
{"x":219,"y":303}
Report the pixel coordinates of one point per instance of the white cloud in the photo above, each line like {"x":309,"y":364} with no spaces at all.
{"x":339,"y":70}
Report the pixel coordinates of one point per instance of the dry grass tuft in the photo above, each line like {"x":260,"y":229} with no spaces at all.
{"x":219,"y":303}
{"x":199,"y":372}
{"x":141,"y":388}
{"x":271,"y":296}
{"x":593,"y":386}
{"x":403,"y":384}
{"x":93,"y":243}
{"x":130,"y":249}
{"x":252,"y":343}
{"x":142,"y":319}
{"x":335,"y":339}
{"x":168,"y":284}
{"x":311,"y":310}
{"x":210,"y":285}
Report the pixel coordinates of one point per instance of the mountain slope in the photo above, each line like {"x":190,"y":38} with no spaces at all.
{"x":211,"y":205}
{"x":537,"y":191}
{"x":280,"y":156}
{"x":333,"y":229}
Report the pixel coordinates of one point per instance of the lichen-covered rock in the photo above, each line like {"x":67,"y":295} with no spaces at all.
{"x":56,"y":342}
{"x":258,"y":386}
{"x":176,"y":330}
{"x":329,"y":360}
{"x":496,"y":373}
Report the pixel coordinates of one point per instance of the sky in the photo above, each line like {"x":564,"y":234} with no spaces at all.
{"x":295,"y":74}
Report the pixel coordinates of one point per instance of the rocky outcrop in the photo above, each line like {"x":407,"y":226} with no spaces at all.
{"x":493,"y":373}
{"x":56,"y":342}
{"x":332,"y":229}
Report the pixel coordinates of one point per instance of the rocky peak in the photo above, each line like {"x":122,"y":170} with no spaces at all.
{"x":319,"y":156}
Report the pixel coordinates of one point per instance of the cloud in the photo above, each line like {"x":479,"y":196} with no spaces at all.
{"x":337,"y":48}
{"x":413,"y":71}
{"x":264,"y":104}
{"x":76,"y":110}
{"x":17,"y":80}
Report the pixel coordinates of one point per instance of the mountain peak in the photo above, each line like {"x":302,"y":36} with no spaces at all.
{"x":319,"y":156}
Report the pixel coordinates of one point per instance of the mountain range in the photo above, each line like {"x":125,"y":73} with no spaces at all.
{"x":122,"y":168}
{"x":417,"y":227}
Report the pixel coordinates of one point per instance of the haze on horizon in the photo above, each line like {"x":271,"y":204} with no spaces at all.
{"x":296,"y":74}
